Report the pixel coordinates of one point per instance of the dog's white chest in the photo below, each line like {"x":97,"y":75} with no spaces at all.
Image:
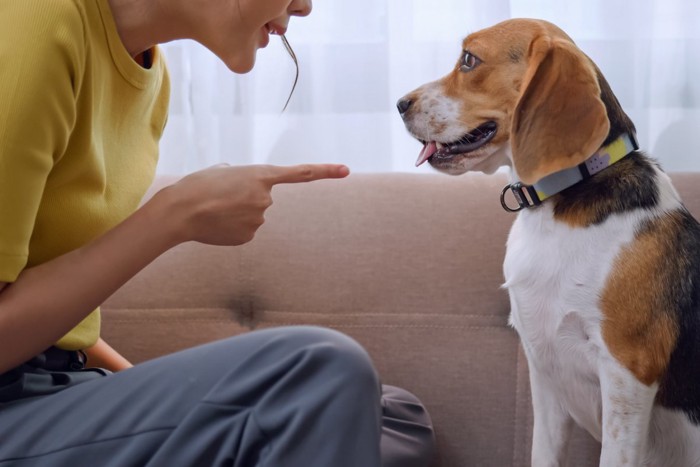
{"x":554,"y":275}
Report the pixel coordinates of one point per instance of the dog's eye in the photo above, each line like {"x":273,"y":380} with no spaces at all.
{"x":469,"y":62}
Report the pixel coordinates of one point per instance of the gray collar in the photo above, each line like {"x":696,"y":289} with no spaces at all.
{"x":532,"y":195}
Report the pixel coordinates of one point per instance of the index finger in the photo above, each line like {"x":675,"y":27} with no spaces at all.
{"x":305,"y":173}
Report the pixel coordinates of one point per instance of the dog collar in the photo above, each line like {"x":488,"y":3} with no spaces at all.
{"x":528,"y":196}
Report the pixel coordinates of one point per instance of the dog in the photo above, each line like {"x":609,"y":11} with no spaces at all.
{"x":602,"y":263}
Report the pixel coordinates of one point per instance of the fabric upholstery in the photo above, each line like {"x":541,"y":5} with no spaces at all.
{"x":408,"y":265}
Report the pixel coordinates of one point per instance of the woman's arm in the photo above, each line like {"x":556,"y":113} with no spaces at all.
{"x":102,"y":355}
{"x":218,"y":206}
{"x":48,"y":300}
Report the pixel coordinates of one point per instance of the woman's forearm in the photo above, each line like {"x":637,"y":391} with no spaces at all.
{"x":47,"y":301}
{"x":216,"y":206}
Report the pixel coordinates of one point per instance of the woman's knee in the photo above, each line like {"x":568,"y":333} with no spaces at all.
{"x":336,"y":353}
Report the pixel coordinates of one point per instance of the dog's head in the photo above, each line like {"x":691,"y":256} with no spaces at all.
{"x":521,"y":94}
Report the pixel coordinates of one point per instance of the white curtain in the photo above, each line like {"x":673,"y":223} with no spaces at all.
{"x":356,"y":58}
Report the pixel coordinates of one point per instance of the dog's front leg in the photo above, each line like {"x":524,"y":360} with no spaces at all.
{"x":553,"y":424}
{"x":627,"y":405}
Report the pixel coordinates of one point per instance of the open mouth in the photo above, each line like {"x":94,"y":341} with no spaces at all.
{"x":275,"y":29}
{"x":466,"y":144}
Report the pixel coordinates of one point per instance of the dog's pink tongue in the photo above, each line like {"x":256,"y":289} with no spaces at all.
{"x":427,"y":151}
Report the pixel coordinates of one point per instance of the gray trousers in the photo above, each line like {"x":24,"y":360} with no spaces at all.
{"x":283,"y":397}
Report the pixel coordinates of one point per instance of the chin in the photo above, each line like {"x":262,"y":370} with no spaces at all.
{"x":240,"y":63}
{"x":241,"y":68}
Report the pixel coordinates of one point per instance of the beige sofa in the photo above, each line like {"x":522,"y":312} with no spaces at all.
{"x":409,"y":265}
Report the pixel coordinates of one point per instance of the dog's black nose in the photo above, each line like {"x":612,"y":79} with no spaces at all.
{"x":403,"y":105}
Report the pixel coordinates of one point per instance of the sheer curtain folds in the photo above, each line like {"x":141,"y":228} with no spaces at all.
{"x":357,"y":58}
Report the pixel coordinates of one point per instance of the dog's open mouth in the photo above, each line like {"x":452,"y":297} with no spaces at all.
{"x":466,"y":144}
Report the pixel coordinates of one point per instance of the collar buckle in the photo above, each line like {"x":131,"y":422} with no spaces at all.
{"x":525,"y":196}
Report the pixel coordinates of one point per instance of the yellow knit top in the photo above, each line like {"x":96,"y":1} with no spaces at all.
{"x":80,"y":122}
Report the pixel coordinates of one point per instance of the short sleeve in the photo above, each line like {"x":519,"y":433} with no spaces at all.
{"x":42,"y":55}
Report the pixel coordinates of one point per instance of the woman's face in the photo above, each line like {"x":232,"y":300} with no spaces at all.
{"x":250,"y":26}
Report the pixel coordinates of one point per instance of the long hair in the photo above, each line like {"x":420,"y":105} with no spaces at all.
{"x":291,"y":53}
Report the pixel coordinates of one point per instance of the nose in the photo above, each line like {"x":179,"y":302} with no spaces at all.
{"x":300,"y":8}
{"x":403,"y":105}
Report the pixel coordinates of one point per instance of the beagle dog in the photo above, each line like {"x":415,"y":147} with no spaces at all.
{"x":603,"y":260}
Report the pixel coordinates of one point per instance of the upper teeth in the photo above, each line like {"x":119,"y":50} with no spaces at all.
{"x":439,"y":145}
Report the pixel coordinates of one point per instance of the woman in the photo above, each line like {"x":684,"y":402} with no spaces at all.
{"x":83,"y":102}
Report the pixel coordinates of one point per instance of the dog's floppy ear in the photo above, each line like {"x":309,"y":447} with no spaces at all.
{"x":560,"y":120}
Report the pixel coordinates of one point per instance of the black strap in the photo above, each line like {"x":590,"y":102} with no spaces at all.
{"x":49,"y":372}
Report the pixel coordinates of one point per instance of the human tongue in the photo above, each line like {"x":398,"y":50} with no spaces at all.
{"x":428,"y":150}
